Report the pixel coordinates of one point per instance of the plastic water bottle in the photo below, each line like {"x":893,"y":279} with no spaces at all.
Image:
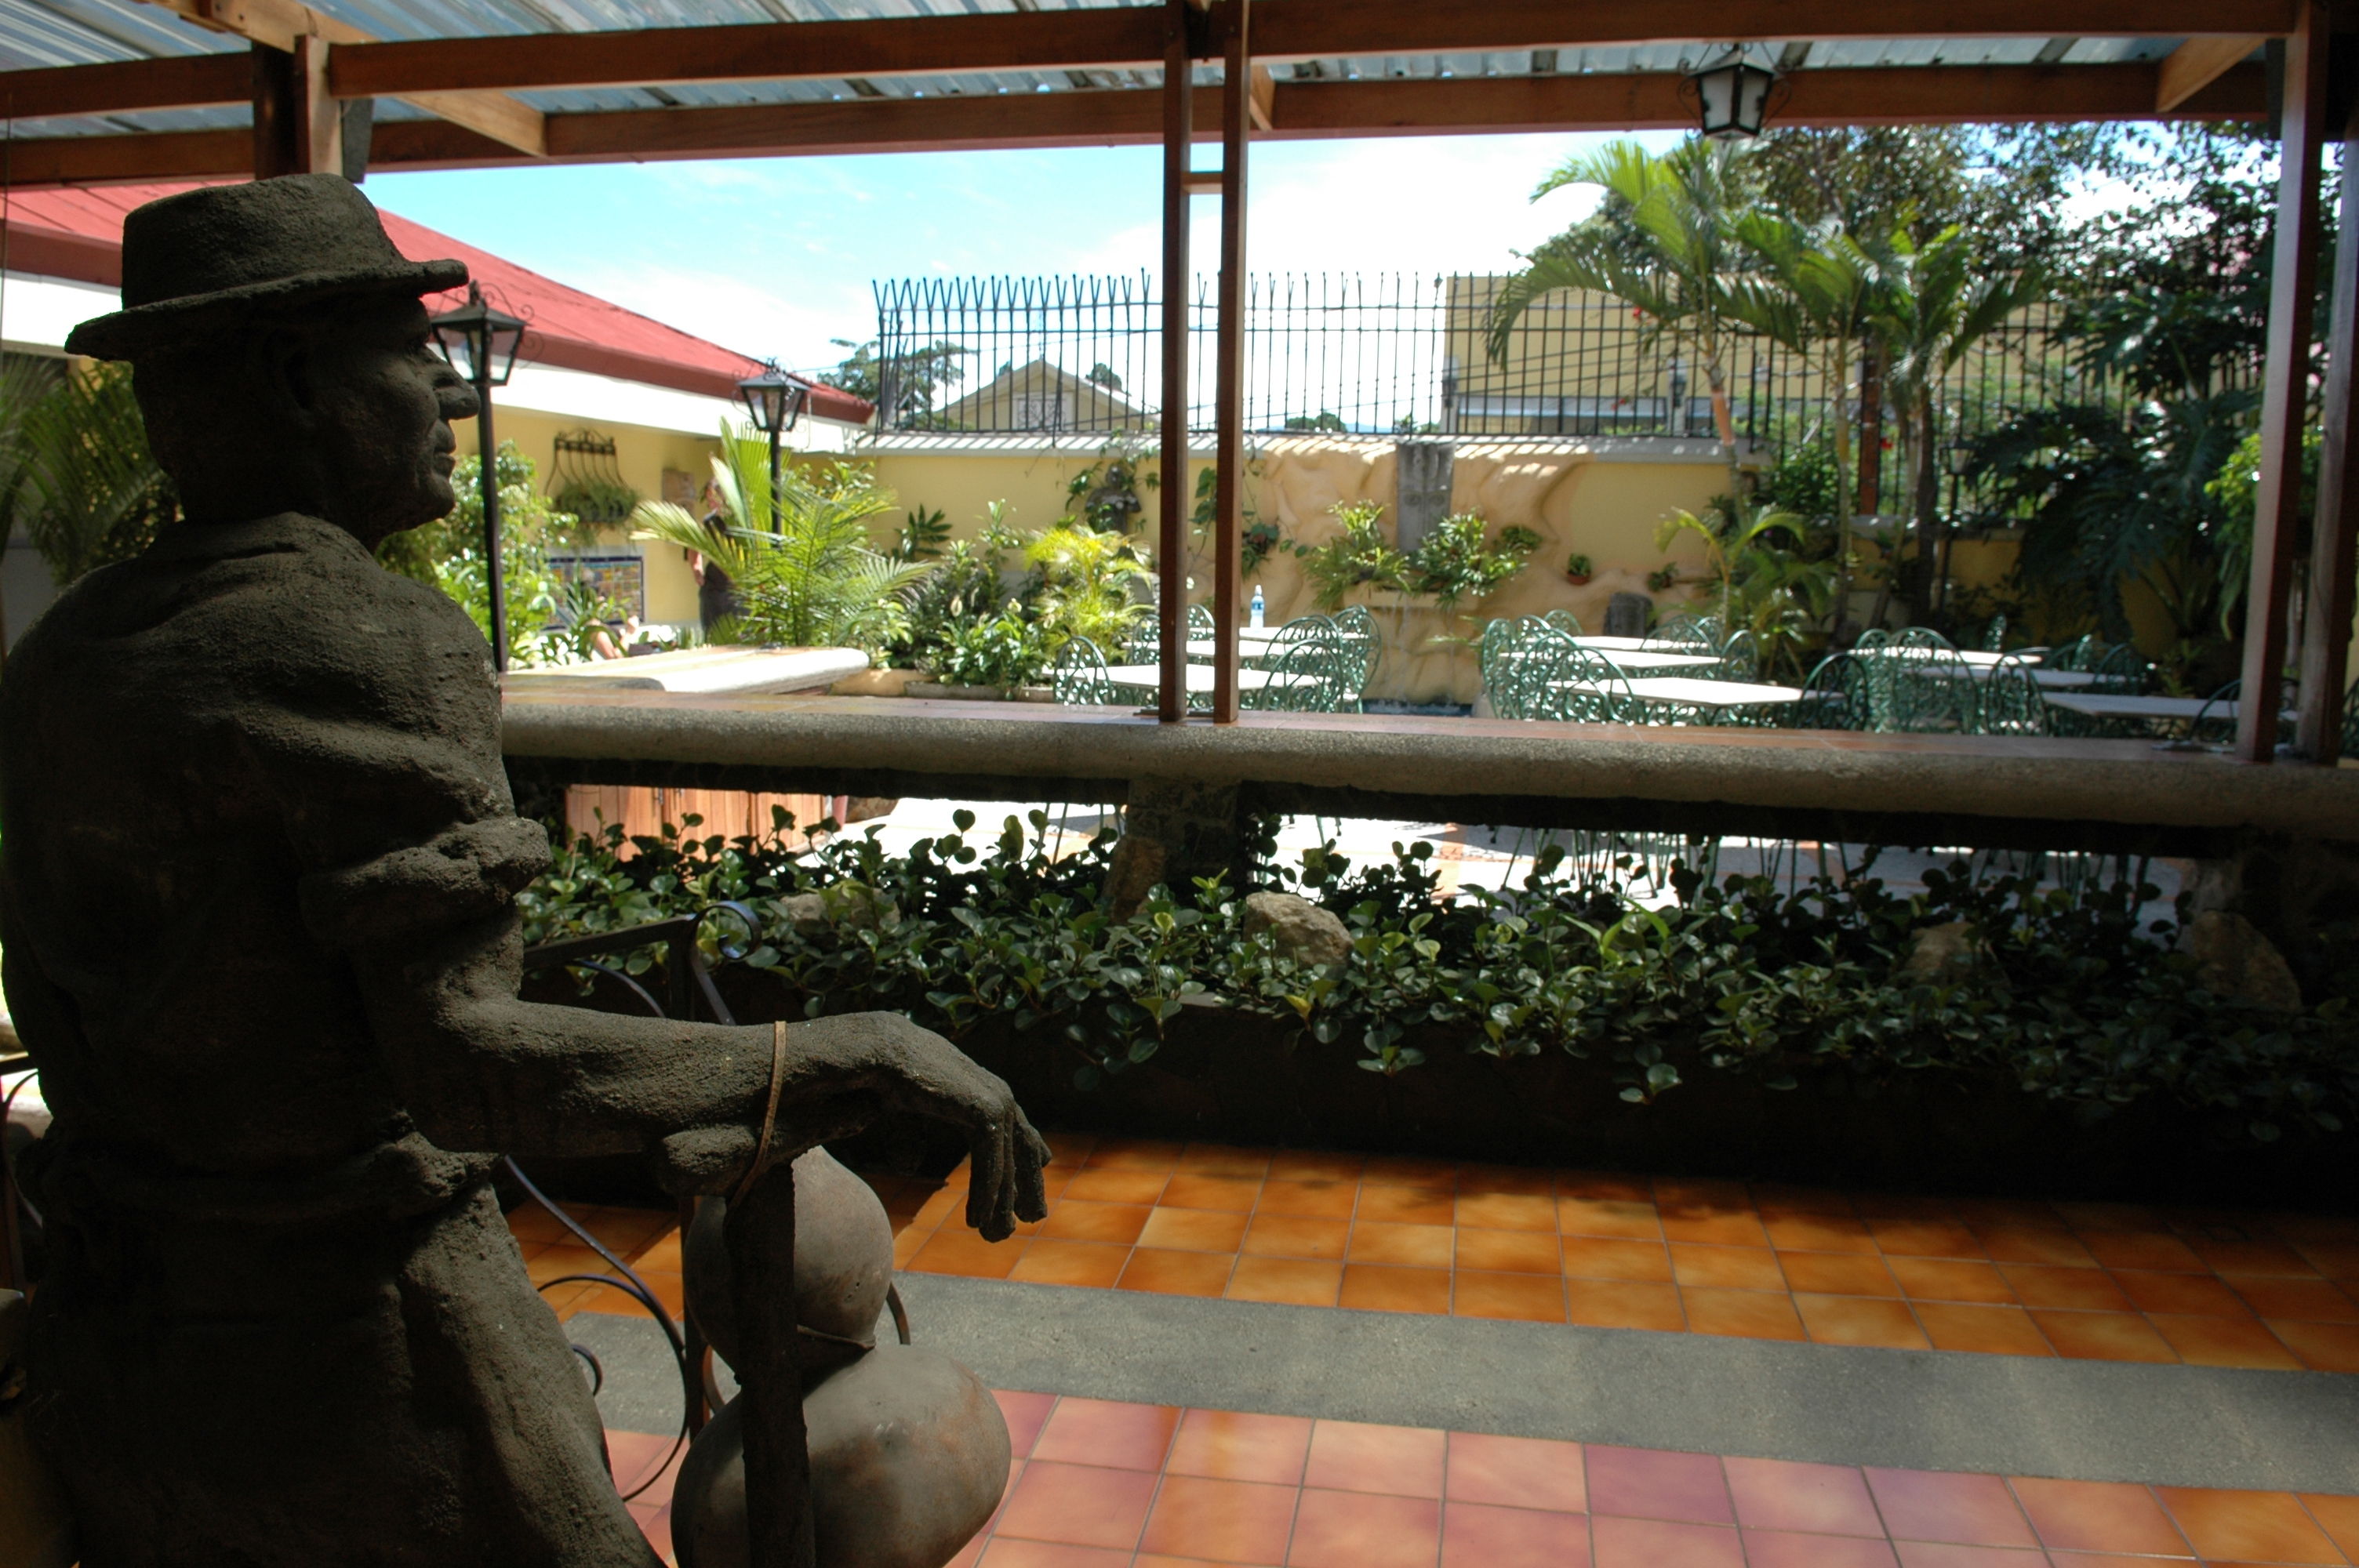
{"x":1256,"y":606}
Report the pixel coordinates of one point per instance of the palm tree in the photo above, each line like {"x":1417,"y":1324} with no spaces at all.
{"x":813,"y":580}
{"x":1817,"y":296}
{"x":1678,"y":263}
{"x":1931,"y":304}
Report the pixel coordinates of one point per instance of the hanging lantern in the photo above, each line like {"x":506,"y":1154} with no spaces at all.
{"x":480,"y":343}
{"x":1733,"y":97}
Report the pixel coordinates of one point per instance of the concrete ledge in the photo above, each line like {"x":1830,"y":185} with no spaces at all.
{"x":1901,"y":789}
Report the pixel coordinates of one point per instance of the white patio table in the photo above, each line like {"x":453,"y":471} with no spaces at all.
{"x":1200,"y":677}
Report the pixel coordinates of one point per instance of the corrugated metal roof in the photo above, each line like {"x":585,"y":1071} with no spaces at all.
{"x":68,"y":32}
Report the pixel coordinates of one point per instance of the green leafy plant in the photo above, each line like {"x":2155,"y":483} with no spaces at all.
{"x":88,"y":492}
{"x":1455,"y":560}
{"x":1361,"y":556}
{"x":924,"y":534}
{"x":448,"y":553}
{"x":1577,"y":565}
{"x":1085,"y":578}
{"x":1005,"y":651}
{"x":596,"y":501}
{"x":1772,"y":582}
{"x":1105,"y":495}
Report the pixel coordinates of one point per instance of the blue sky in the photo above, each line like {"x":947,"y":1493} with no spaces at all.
{"x":775,"y":256}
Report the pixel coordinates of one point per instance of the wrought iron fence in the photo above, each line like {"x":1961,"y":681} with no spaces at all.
{"x":1383,"y":354}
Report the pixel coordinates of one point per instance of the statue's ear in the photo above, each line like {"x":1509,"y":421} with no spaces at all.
{"x":291,"y":371}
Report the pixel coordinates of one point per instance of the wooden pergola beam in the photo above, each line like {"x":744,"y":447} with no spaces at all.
{"x":187,"y":81}
{"x":1299,"y":111}
{"x":2196,"y":64}
{"x":1104,"y":38}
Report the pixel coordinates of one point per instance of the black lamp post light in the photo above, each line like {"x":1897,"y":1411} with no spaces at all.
{"x":481,"y":344}
{"x":775,"y":402}
{"x":1732,"y":96}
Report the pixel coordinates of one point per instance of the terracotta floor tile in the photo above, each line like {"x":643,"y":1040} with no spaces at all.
{"x":1075,"y":1220}
{"x":1526,"y":1298}
{"x":1406,"y":1206}
{"x":2033,"y":1244}
{"x":1352,"y":1530}
{"x":1362,"y":1457}
{"x":1987,"y":1330}
{"x":2115,"y":1559}
{"x":1078,"y":1505}
{"x":1814,"y":1500}
{"x":1310,"y":1200}
{"x":1193,"y":1229}
{"x":1925,"y":1239}
{"x":1594,"y":1258}
{"x":2225,"y":1342}
{"x":1727,"y":1268}
{"x":1008,"y":1552}
{"x":1517,"y":1472}
{"x":959,"y":1250}
{"x":2186,"y":1295}
{"x":1510,"y":1251}
{"x":1110,"y":1432}
{"x":1875,"y":1206}
{"x":2099,"y":1516}
{"x":1652,"y":1543}
{"x":1175,"y":1273}
{"x":1746,"y":1315}
{"x":1506,"y":1211}
{"x":1819,"y":1233}
{"x":528,"y":1222}
{"x":559,"y":1258}
{"x":662,"y":1253}
{"x":1932,"y":1554}
{"x":1101,"y":1184}
{"x":1396,"y":1289}
{"x":1526,"y":1181}
{"x":1408,"y":1171}
{"x":2252,"y":1258}
{"x":2065,"y":1289}
{"x":1476,"y":1535}
{"x":2104,"y":1336}
{"x":2305,"y":1301}
{"x":1860,"y":1320}
{"x":1838,"y":1274}
{"x":2142,"y":1249}
{"x":1950,"y":1279}
{"x":2322,"y":1346}
{"x":1940,"y":1506}
{"x":1703,"y":1192}
{"x":2334,"y":1260}
{"x":1187,"y":1189}
{"x":1605,"y":1186}
{"x":1720,"y":1228}
{"x":1134,"y":1155}
{"x":1294,"y":1282}
{"x":2267,"y":1526}
{"x":906,"y":1245}
{"x":1228,"y":1521}
{"x":1293,"y":1236}
{"x":1026,"y":1414}
{"x":1623,"y":1304}
{"x":1980,"y":1212}
{"x":1404,"y":1246}
{"x":1233,"y":1446}
{"x":1658,"y":1483}
{"x":1775,"y":1549}
{"x":1070,"y":1147}
{"x":1311,"y":1165}
{"x":1047,"y":1261}
{"x":1616,"y":1217}
{"x":1224,"y":1160}
{"x":2338,"y":1516}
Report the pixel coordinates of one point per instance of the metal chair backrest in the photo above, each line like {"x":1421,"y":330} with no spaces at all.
{"x":1872,"y":638}
{"x":2216,"y":728}
{"x":1919,"y":690}
{"x":1684,"y":632}
{"x":1564,"y":621}
{"x":1920,"y":637}
{"x":2010,"y":701}
{"x":1994,"y":635}
{"x":1740,"y":658}
{"x":1302,"y":673}
{"x":1580,"y":685}
{"x":1199,"y":622}
{"x":1834,"y":698}
{"x":2120,"y":669}
{"x":1079,"y":676}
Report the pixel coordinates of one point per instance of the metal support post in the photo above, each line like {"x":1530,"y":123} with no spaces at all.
{"x":2285,"y":394}
{"x":1171,"y":555}
{"x":1229,"y":388}
{"x":2335,"y":533}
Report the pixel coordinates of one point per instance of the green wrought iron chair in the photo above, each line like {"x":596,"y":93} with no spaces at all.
{"x":1580,"y":685}
{"x":2009,"y":701}
{"x":1516,"y":653}
{"x":1994,"y":634}
{"x":1564,"y":621}
{"x":2120,"y":670}
{"x":1740,"y":659}
{"x":1920,"y":637}
{"x":1353,"y":633}
{"x":1079,"y":676}
{"x":1872,"y":638}
{"x":2080,"y":653}
{"x":2216,"y":728}
{"x":1300,"y":662}
{"x":1834,"y":698}
{"x":1919,"y":691}
{"x":1199,"y":622}
{"x":1692,"y":633}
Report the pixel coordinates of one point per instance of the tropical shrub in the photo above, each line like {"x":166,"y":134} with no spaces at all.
{"x":448,"y":553}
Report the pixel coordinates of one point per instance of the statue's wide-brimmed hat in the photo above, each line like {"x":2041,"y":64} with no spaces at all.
{"x":205,"y":261}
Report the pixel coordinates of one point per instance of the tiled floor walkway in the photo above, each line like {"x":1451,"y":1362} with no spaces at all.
{"x":2093,"y":1280}
{"x":1102,"y":1485}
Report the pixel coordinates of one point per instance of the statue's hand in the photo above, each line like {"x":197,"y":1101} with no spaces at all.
{"x":912,"y":1069}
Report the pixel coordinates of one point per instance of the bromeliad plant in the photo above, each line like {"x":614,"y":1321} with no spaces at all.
{"x":2075,"y":1004}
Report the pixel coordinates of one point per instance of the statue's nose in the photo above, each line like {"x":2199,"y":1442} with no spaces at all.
{"x":459,"y":400}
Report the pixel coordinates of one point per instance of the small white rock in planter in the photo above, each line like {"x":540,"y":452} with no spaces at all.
{"x":2236,"y":960}
{"x":1302,"y":930}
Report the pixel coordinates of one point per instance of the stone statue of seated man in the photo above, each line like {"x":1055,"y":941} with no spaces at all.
{"x":256,"y":905}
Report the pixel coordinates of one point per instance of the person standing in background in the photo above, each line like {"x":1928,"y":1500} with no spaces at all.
{"x":716,"y":593}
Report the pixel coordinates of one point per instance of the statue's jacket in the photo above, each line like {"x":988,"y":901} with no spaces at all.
{"x":234,"y":771}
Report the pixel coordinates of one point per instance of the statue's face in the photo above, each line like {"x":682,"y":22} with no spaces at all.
{"x":380,"y":400}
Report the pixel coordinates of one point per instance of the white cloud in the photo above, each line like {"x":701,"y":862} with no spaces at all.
{"x":758,"y":317}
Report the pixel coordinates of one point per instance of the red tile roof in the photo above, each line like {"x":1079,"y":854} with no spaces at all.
{"x":77,"y":233}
